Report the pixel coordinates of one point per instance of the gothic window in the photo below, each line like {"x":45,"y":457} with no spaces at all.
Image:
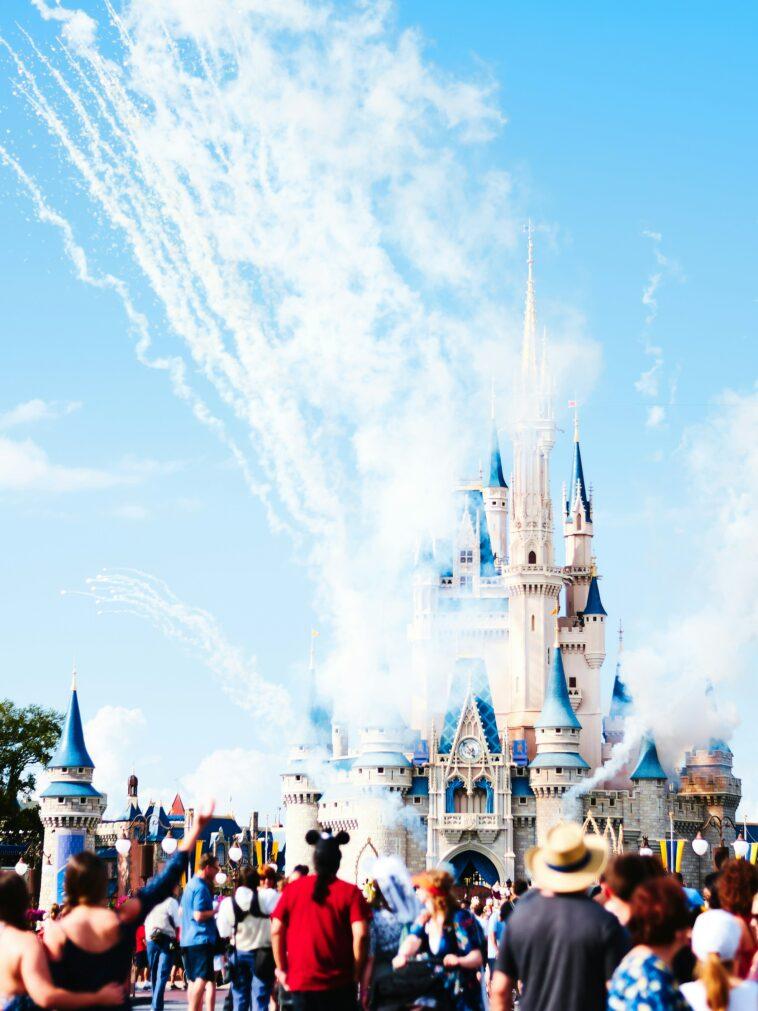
{"x":476,"y":803}
{"x":465,"y":581}
{"x":578,"y":521}
{"x":532,"y":557}
{"x":532,"y":622}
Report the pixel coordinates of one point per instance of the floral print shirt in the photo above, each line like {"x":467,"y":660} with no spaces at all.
{"x":643,"y":982}
{"x":459,"y":937}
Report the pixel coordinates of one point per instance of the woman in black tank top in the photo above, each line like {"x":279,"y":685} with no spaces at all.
{"x":77,"y":959}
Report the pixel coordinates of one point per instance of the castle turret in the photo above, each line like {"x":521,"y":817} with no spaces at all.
{"x":557,"y":767}
{"x":594,"y":625}
{"x":496,"y":501}
{"x":651,"y":791}
{"x":708,"y":777}
{"x":70,"y":806}
{"x":577,"y":520}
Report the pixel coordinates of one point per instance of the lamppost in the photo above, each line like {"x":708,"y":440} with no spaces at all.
{"x":645,"y":850}
{"x":700,"y":846}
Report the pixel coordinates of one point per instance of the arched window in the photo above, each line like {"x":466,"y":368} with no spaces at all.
{"x":475,"y":803}
{"x":532,"y":557}
{"x":578,"y":521}
{"x":532,"y":622}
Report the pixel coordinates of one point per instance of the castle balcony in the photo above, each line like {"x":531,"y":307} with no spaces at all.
{"x":470,"y":822}
{"x":575,"y":698}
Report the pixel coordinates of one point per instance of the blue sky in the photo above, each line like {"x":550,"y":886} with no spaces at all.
{"x":626,"y":138}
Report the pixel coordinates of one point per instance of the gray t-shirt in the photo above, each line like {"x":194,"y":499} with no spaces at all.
{"x":563,"y":948}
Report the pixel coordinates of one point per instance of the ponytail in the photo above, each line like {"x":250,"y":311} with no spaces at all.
{"x":321,"y":888}
{"x":714,"y":976}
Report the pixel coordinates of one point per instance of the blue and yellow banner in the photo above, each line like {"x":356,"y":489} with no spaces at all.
{"x":672,"y":852}
{"x":753,"y":853}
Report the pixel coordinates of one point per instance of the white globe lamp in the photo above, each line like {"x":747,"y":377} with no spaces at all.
{"x":221,"y":879}
{"x":123,"y":846}
{"x":169,"y":844}
{"x":235,"y":854}
{"x":21,"y":868}
{"x":741,"y":847}
{"x":700,"y":845}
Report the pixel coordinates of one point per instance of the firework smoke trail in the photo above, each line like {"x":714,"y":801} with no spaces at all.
{"x":127,"y":591}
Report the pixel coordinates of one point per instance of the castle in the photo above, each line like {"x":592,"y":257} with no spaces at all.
{"x":507,"y":722}
{"x":507,"y":725}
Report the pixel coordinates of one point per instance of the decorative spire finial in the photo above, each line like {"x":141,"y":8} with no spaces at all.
{"x":576,"y":422}
{"x":621,"y":636}
{"x":529,"y":350}
{"x":73,"y":676}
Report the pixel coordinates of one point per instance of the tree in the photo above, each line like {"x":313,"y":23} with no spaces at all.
{"x":28,"y":736}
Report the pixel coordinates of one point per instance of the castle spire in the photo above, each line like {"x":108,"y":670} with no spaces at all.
{"x":649,"y":765}
{"x":578,"y":485}
{"x":529,"y":343}
{"x":556,"y":709}
{"x":72,"y":751}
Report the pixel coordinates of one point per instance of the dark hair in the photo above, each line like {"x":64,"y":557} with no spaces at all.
{"x":86,"y":880}
{"x":659,"y":910}
{"x":737,"y":886}
{"x":207,"y":859}
{"x":326,"y":859}
{"x":628,"y":870}
{"x":720,"y":855}
{"x":268,"y":873}
{"x":520,"y":887}
{"x":301,"y":869}
{"x":249,"y":877}
{"x":505,"y":911}
{"x":14,"y":900}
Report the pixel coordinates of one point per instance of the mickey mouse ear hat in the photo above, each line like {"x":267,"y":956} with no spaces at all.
{"x":327,"y":846}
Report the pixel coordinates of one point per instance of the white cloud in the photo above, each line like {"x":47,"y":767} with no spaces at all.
{"x":708,"y":637}
{"x":300,"y":187}
{"x":25,"y":466}
{"x":240,"y":780}
{"x":115,"y":738}
{"x":656,"y":415}
{"x":32,"y":411}
{"x":132,"y":512}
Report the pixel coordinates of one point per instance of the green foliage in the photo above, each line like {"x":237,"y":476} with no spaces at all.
{"x":28,"y":736}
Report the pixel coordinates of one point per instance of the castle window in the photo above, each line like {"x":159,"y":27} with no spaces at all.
{"x":593,"y":802}
{"x":464,"y":581}
{"x":559,"y":771}
{"x":558,"y":730}
{"x":578,"y":521}
{"x":467,"y":557}
{"x":522,"y":800}
{"x":532,"y":622}
{"x":298,"y":778}
{"x":532,"y":558}
{"x":380,"y":770}
{"x":572,"y":682}
{"x":416,"y":800}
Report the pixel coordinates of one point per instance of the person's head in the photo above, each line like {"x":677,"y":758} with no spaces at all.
{"x":207,"y":867}
{"x":628,"y":870}
{"x":569,"y":862}
{"x":659,"y":913}
{"x":720,"y":856}
{"x":508,"y":883}
{"x":520,"y":887}
{"x":374,"y":895}
{"x":268,"y":876}
{"x":715,"y":939}
{"x":14,"y":900}
{"x":435,"y":888}
{"x":475,"y":904}
{"x":711,"y":889}
{"x":248,"y":878}
{"x":86,"y":880}
{"x":738,"y":884}
{"x":327,"y":858}
{"x":54,"y":912}
{"x":299,"y":871}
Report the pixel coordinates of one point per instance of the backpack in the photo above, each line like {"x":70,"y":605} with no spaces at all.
{"x":264,"y":968}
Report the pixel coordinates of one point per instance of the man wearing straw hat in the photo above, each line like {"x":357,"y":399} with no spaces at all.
{"x":560,"y":945}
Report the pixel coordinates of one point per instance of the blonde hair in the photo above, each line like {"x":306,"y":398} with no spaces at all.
{"x":438,"y":885}
{"x":714,"y":975}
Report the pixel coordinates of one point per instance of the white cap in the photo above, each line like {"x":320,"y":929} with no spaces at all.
{"x":716,"y":931}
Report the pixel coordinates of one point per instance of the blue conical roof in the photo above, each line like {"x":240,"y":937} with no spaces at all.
{"x":496,"y":479}
{"x":556,"y":709}
{"x":594,"y":604}
{"x":649,"y":766}
{"x":72,"y":751}
{"x":577,"y":481}
{"x":621,"y":700}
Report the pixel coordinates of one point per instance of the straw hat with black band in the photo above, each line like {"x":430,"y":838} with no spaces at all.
{"x":570,"y":861}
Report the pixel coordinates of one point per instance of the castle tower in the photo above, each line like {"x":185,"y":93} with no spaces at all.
{"x":532,"y":581}
{"x":495,"y":493}
{"x":557,"y":766}
{"x":651,"y":792}
{"x":70,"y":806}
{"x":708,"y":777}
{"x":577,"y":521}
{"x":300,"y":795}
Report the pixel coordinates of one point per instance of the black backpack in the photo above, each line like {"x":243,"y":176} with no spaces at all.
{"x":265,"y":968}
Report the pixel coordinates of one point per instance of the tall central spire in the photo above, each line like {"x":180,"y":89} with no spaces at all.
{"x":529,"y":343}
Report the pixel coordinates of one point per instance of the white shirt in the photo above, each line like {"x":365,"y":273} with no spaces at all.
{"x":164,"y":917}
{"x":253,"y":931}
{"x":742,"y":998}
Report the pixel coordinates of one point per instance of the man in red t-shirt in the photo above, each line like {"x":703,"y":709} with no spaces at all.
{"x":319,"y":933}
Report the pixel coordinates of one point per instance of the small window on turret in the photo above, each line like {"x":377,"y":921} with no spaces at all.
{"x":558,"y":730}
{"x":572,"y":682}
{"x":532,"y":622}
{"x":467,"y":557}
{"x":559,"y":771}
{"x":532,"y":558}
{"x":380,"y":770}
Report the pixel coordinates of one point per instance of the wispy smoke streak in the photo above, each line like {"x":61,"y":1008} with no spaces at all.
{"x":146,"y":597}
{"x":294,"y":185}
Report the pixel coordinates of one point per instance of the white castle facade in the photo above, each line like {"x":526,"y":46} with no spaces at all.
{"x":508,"y":639}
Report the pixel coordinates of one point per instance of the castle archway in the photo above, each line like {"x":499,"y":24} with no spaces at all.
{"x":475,"y":865}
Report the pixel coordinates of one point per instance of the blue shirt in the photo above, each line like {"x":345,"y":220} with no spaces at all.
{"x":197,"y":898}
{"x":643,"y":982}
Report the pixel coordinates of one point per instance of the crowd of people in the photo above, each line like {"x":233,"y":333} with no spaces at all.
{"x":583,"y":934}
